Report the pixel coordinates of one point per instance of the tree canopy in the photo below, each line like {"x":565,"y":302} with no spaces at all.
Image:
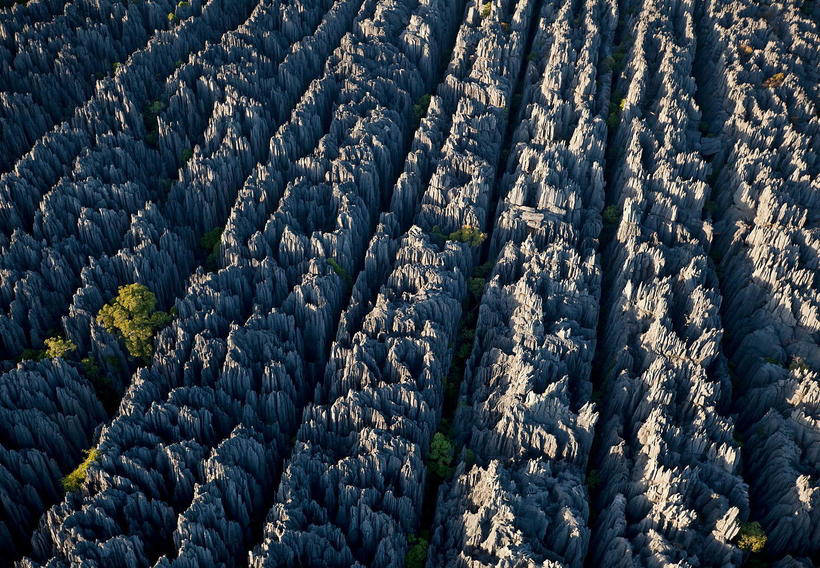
{"x":133,"y":316}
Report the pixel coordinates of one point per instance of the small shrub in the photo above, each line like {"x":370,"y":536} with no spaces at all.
{"x":59,"y":347}
{"x":476,"y":287}
{"x":751,"y":537}
{"x":608,"y":64}
{"x":483,"y":270}
{"x":612,"y":120}
{"x":172,"y":17}
{"x":775,"y":80}
{"x":183,"y":4}
{"x":486,"y":9}
{"x":437,"y":235}
{"x":340,"y":270}
{"x":611,"y":215}
{"x":746,"y":49}
{"x":618,"y":59}
{"x":469,"y":457}
{"x":29,"y":354}
{"x":155,"y":107}
{"x":186,"y":155}
{"x":441,"y":455}
{"x":74,"y":480}
{"x":90,"y":368}
{"x":468,"y":234}
{"x":211,"y":239}
{"x":417,"y":553}
{"x":420,"y":108}
{"x":133,"y":316}
{"x":115,"y":66}
{"x":505,"y":26}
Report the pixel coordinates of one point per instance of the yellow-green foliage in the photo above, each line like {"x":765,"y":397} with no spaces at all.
{"x":59,"y":347}
{"x":468,"y":234}
{"x":751,"y":537}
{"x":133,"y":316}
{"x":74,"y":480}
{"x":486,"y":8}
{"x":775,"y":80}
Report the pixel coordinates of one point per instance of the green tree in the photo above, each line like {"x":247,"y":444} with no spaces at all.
{"x":417,"y":553}
{"x":420,"y":108}
{"x":59,"y":347}
{"x":476,"y":287}
{"x":340,"y":270}
{"x":468,"y":234}
{"x":751,"y":537}
{"x":441,"y":455}
{"x":74,"y":480}
{"x":133,"y":316}
{"x":611,"y":215}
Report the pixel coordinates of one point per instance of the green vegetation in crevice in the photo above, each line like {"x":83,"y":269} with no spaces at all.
{"x":466,"y":234}
{"x":616,"y":109}
{"x":440,"y":458}
{"x":751,"y":537}
{"x":611,"y":215}
{"x":150,"y":120}
{"x":416,"y":553}
{"x":102,"y":384}
{"x":74,"y":480}
{"x":340,"y":270}
{"x":774,"y":81}
{"x":420,"y":108}
{"x":210,"y":242}
{"x":58,"y":347}
{"x":132,"y":315}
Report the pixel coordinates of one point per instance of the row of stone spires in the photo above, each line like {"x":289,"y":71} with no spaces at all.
{"x":224,"y":392}
{"x":670,"y":491}
{"x":71,"y":199}
{"x":51,"y":60}
{"x":524,"y":412}
{"x":351,"y":493}
{"x":159,"y":255}
{"x":41,"y":266}
{"x":763,"y":66}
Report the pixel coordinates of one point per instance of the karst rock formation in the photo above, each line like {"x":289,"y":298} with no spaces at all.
{"x":422,"y":283}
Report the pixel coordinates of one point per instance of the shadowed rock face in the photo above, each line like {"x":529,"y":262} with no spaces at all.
{"x":625,"y":361}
